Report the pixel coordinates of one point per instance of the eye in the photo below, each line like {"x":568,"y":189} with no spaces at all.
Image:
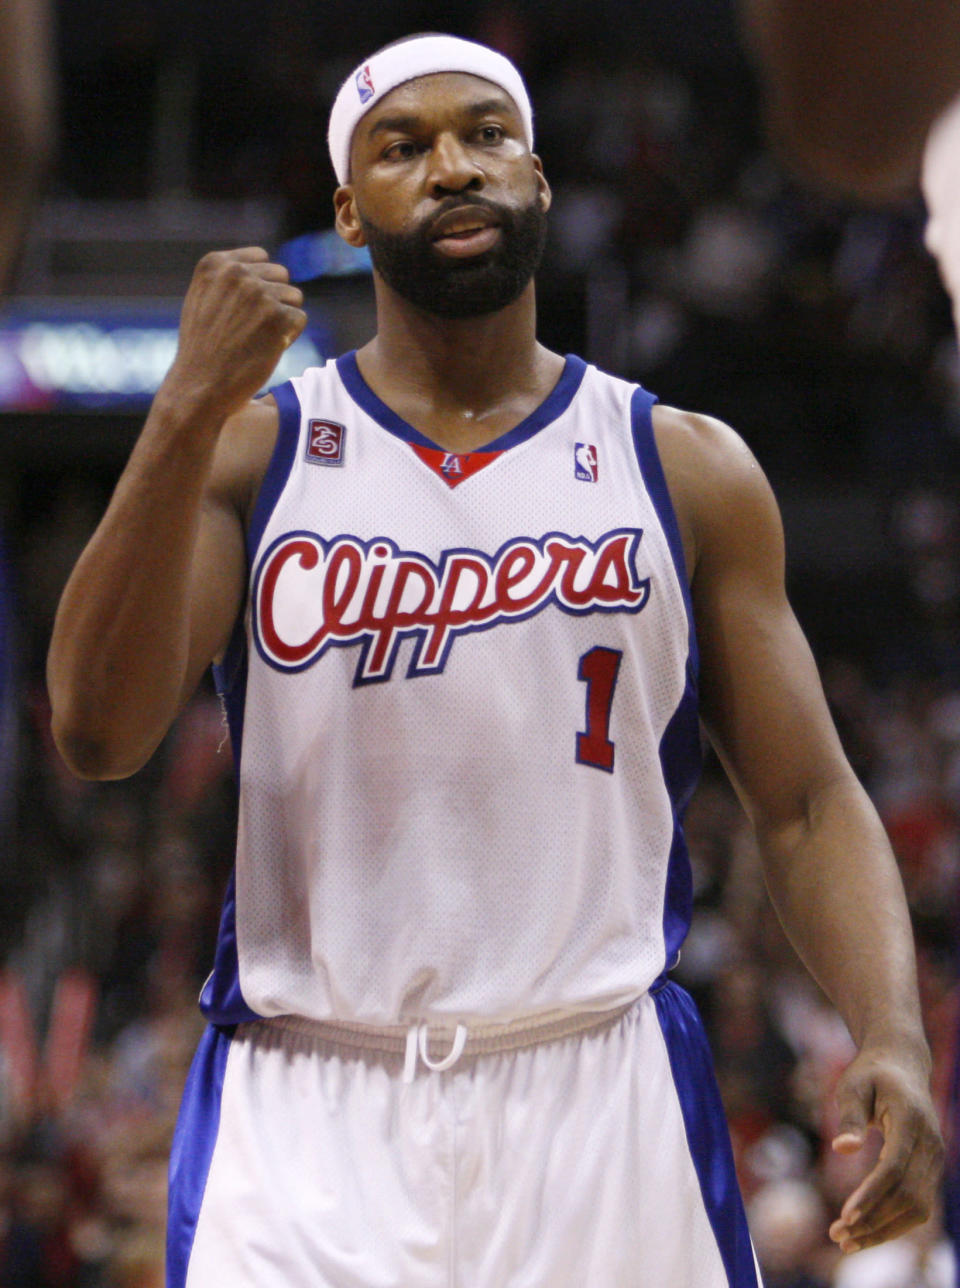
{"x":401,"y":150}
{"x":491,"y":133}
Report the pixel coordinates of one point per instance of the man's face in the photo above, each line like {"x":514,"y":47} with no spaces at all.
{"x":446,"y":195}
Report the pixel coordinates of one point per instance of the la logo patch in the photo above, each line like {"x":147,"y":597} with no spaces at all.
{"x":365,"y":84}
{"x":585,"y":462}
{"x":325,"y":441}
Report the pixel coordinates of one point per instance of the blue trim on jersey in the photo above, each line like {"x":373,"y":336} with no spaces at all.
{"x":281,"y":462}
{"x":553,"y":406}
{"x":645,"y":445}
{"x":680,"y":760}
{"x":680,"y":750}
{"x":192,"y":1150}
{"x":705,"y":1124}
{"x":221,"y":1000}
{"x":230,"y":676}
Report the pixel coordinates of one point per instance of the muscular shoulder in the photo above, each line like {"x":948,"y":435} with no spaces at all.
{"x":243,"y":453}
{"x":721,"y":496}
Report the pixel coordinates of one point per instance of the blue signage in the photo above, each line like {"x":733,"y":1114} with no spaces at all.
{"x":104,"y":355}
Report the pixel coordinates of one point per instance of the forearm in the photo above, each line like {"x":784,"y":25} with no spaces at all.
{"x":120,"y":645}
{"x":26,"y":119}
{"x":834,"y":882}
{"x":852,"y":87}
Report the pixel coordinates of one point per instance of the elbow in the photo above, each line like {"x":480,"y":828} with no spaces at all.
{"x":91,"y":755}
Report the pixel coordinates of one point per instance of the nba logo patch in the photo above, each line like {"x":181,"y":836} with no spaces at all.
{"x":585,"y":462}
{"x":325,"y":442}
{"x":365,"y":84}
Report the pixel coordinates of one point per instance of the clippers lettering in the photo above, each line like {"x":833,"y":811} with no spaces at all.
{"x":310,"y":594}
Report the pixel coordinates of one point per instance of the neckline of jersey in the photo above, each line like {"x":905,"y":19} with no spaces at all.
{"x":553,"y":406}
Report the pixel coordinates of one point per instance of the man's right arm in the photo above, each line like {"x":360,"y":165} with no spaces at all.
{"x":154,"y":596}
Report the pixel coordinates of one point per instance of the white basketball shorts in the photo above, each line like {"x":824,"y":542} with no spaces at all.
{"x":316,"y":1156}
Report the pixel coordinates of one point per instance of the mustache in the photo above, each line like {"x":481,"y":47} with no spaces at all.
{"x":500,"y":213}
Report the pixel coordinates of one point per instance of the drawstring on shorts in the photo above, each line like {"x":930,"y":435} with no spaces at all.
{"x":418,"y":1036}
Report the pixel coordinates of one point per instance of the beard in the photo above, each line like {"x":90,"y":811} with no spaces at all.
{"x":461,"y":288}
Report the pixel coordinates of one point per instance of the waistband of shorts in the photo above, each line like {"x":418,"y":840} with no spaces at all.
{"x":481,"y":1038}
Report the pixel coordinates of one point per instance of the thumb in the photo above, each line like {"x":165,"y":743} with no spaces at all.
{"x":855,"y":1103}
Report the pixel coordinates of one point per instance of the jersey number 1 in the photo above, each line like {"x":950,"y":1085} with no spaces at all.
{"x":598,"y":669}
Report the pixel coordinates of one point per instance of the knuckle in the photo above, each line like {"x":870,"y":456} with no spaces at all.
{"x":213,"y":259}
{"x":206,"y":267}
{"x":234,"y":270}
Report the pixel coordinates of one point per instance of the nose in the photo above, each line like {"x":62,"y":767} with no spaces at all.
{"x":452,"y":168}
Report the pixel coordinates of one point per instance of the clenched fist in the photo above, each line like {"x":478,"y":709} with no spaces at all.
{"x":239,"y":315}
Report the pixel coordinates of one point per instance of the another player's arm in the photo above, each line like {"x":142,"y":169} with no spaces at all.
{"x":26,"y":119}
{"x":853,"y":86}
{"x":155,"y":594}
{"x":828,"y":865}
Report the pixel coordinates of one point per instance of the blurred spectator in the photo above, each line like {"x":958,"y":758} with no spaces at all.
{"x":921,"y":1259}
{"x":787,"y":1221}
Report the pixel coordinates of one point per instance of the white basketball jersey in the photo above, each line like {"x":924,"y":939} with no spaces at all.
{"x":463,"y":708}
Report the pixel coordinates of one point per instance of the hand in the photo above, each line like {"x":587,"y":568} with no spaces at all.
{"x":239,"y":315}
{"x":883,"y":1089}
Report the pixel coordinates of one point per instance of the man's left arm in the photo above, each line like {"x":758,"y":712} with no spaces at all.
{"x":828,"y":864}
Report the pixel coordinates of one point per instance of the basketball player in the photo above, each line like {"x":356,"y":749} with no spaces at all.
{"x":468,"y":599}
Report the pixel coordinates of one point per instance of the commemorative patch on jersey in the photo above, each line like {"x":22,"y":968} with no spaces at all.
{"x":585,"y":465}
{"x":312,"y":594}
{"x":325,"y":440}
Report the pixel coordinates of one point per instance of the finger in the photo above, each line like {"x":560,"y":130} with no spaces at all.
{"x":289,"y":295}
{"x":270,"y":271}
{"x":848,"y":1142}
{"x":882,"y":1180}
{"x":862,"y":1224}
{"x":874,"y":1187}
{"x":909,"y":1162}
{"x":850,"y":1241}
{"x":855,"y":1101}
{"x":908,"y":1197}
{"x":246,"y":254}
{"x":296,"y":320}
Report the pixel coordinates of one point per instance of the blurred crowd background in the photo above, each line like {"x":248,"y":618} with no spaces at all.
{"x":682,"y":255}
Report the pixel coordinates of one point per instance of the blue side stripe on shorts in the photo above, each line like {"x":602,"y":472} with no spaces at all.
{"x":707,"y":1134}
{"x":192,"y":1150}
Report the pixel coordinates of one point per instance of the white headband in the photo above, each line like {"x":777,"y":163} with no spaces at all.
{"x":397,"y":64}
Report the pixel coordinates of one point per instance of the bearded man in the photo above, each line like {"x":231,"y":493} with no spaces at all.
{"x":468,"y":601}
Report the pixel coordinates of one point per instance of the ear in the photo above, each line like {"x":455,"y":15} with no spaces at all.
{"x":347,"y":219}
{"x":543,"y":188}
